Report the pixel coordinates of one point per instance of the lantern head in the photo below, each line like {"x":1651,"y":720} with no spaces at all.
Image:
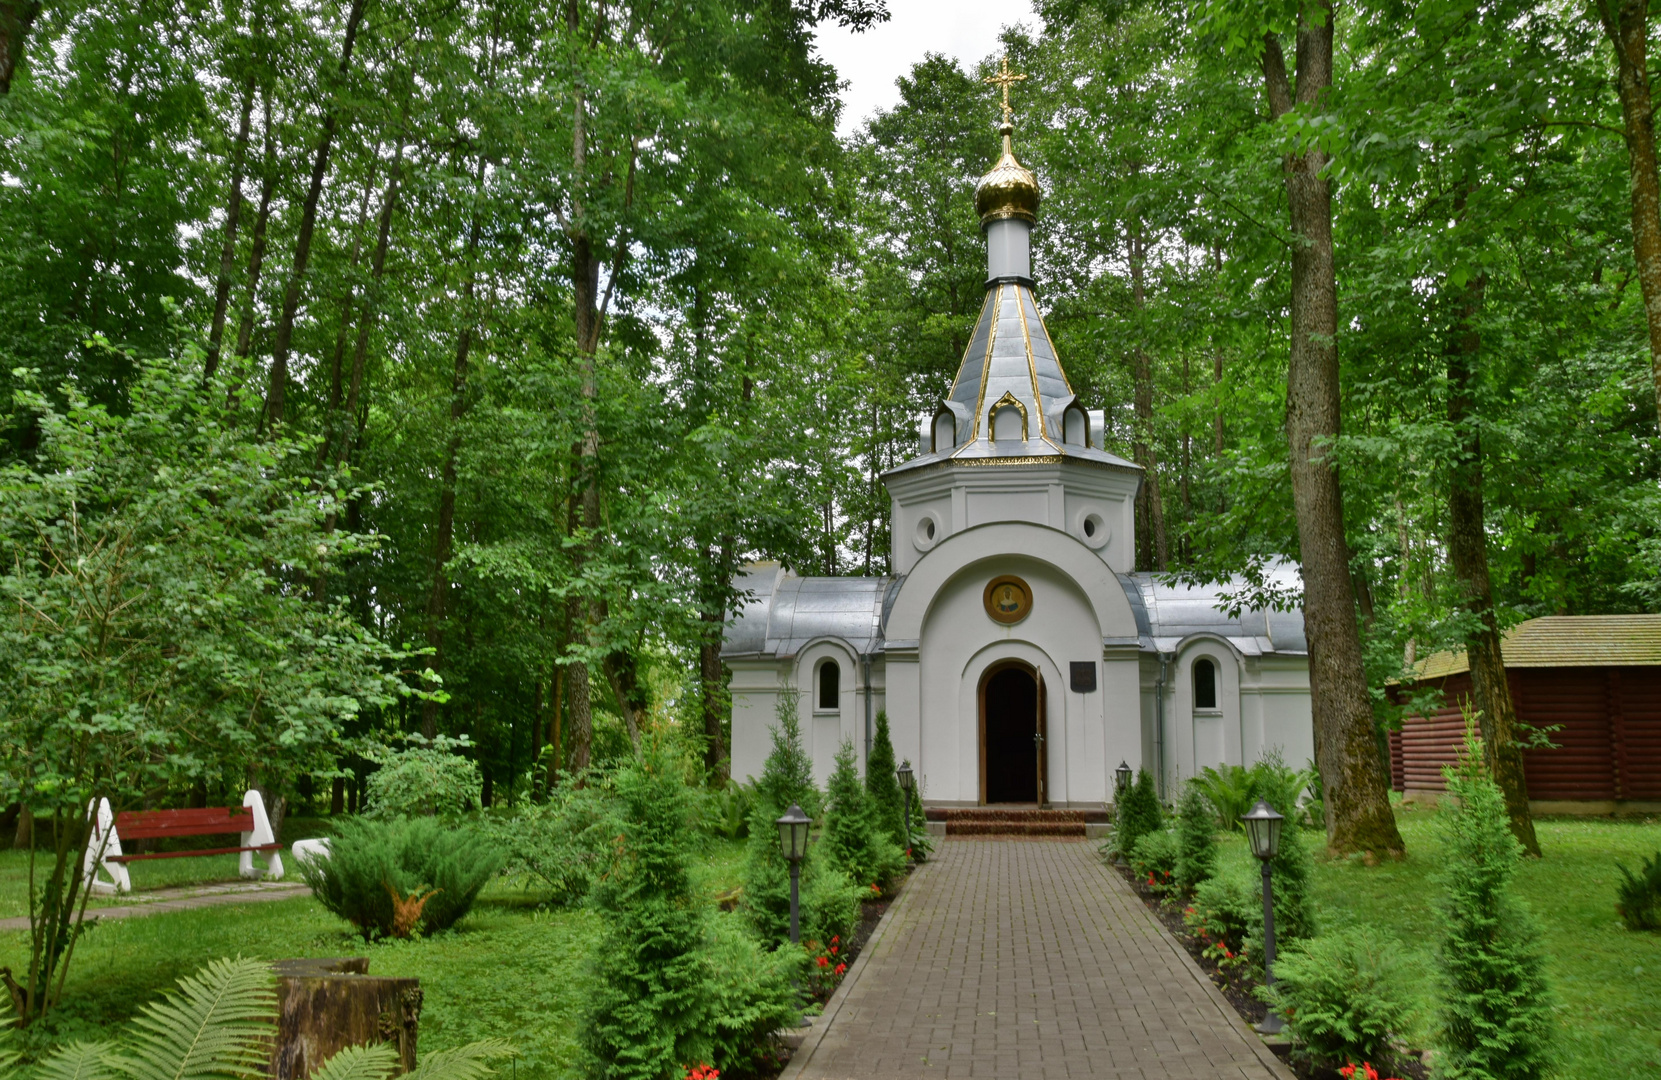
{"x":1121,"y":777}
{"x":905,"y":776}
{"x":1263,"y":829}
{"x":793,"y":828}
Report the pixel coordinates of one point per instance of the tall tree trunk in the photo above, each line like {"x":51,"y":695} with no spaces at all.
{"x":16,"y":19}
{"x":1626,"y":23}
{"x":256,"y":251}
{"x":233,"y":217}
{"x":1154,"y":550}
{"x":444,"y":536}
{"x":1468,"y":555}
{"x":1354,"y":777}
{"x":276,"y":398}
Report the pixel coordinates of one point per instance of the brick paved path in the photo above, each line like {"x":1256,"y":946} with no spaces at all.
{"x":1030,"y":960}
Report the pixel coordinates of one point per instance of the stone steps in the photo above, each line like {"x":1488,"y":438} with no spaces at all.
{"x":1010,"y":821}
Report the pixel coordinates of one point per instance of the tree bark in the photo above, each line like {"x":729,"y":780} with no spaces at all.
{"x":1626,"y":24}
{"x":444,"y":538}
{"x":1355,"y":781}
{"x":1154,"y":554}
{"x":17,"y":17}
{"x":276,"y":398}
{"x":233,"y":217}
{"x":324,"y":1006}
{"x":1468,"y":556}
{"x":256,"y":252}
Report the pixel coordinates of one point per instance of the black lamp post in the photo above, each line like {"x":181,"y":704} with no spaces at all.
{"x":1121,"y":781}
{"x":793,"y":828}
{"x":1263,"y":830}
{"x":907,"y":780}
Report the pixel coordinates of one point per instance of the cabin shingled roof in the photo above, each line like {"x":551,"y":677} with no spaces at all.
{"x":1563,"y":641}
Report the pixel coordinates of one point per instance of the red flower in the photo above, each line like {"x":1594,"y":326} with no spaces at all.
{"x":1372,"y":1073}
{"x":833,"y":950}
{"x":824,"y":961}
{"x":840,"y":968}
{"x":876,"y":888}
{"x":836,"y":939}
{"x":1347,"y":1072}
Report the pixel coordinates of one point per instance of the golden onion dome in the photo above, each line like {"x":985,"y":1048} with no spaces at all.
{"x":1010,"y":190}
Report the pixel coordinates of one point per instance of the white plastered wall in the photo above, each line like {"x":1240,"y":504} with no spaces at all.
{"x":824,"y":729}
{"x":933,"y":677}
{"x":1203,"y":737}
{"x":757,"y":685}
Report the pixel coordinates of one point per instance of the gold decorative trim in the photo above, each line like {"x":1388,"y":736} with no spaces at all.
{"x":1032,"y":370}
{"x":1010,"y":399}
{"x":985,"y":368}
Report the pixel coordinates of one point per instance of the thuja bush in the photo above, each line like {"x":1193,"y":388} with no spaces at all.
{"x":887,"y":800}
{"x":394,"y":878}
{"x":1155,"y":859}
{"x":1638,"y":896}
{"x":854,"y":840}
{"x":1292,"y":870}
{"x":1495,"y":1004}
{"x":1196,"y":841}
{"x":1226,"y":912}
{"x":1346,"y":995}
{"x":673,"y":985}
{"x":1138,"y":815}
{"x":829,"y":898}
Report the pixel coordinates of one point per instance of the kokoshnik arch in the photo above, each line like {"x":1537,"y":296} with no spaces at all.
{"x":1017,"y":654}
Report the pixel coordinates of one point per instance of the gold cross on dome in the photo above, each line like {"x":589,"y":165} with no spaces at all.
{"x":1005,"y":80}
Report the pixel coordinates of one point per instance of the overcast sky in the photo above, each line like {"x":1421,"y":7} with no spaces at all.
{"x":870,"y":62}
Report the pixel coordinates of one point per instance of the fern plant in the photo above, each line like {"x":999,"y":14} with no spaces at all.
{"x":1638,"y":896}
{"x":218,"y":1026}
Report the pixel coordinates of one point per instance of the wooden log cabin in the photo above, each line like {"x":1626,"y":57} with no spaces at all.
{"x":1597,"y":678}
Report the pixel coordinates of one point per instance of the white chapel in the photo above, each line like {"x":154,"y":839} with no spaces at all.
{"x":1018,"y":656}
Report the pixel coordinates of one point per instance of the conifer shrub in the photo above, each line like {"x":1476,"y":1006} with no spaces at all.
{"x":390,"y":878}
{"x":854,"y":840}
{"x":830,"y":904}
{"x":1155,"y":859}
{"x":1638,"y":896}
{"x":1227,"y":909}
{"x":751,"y":994}
{"x":1196,"y":841}
{"x":1495,"y":1003}
{"x":1292,"y":871}
{"x":1346,"y":996}
{"x":887,"y":800}
{"x":1138,"y":815}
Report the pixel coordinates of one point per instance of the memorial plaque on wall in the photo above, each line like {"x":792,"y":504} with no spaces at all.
{"x":1083,"y":676}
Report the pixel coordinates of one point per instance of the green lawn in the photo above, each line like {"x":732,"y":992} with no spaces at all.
{"x":510,"y":970}
{"x":1607,"y":978}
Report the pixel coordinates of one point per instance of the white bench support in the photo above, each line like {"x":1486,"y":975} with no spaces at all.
{"x":100,"y":846}
{"x":262,"y":834}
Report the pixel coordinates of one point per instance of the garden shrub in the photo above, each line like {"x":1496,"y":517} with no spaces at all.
{"x":1293,"y":870}
{"x":887,"y":800}
{"x":830,"y":904}
{"x":729,"y":811}
{"x":1227,"y":908}
{"x":1137,"y":817}
{"x":1495,"y":1004}
{"x":1638,"y":896}
{"x":1155,"y":859}
{"x":787,"y":774}
{"x":563,"y":844}
{"x":426,"y":777}
{"x":751,"y":995}
{"x":1196,"y":841}
{"x":1346,"y":995}
{"x":436,"y":870}
{"x":1229,"y":790}
{"x":649,"y":995}
{"x":853,"y":840}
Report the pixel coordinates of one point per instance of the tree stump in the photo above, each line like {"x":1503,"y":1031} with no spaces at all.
{"x":328,"y":1005}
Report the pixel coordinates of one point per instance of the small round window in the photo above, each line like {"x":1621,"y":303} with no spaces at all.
{"x":927,"y":531}
{"x":1092,"y":528}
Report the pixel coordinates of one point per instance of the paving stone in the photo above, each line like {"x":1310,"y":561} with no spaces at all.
{"x":1028,"y":959}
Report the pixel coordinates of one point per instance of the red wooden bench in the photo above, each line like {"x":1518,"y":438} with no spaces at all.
{"x":248,"y":820}
{"x":164,"y":824}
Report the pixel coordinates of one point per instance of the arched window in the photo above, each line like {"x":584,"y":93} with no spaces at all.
{"x":830,"y":685}
{"x":1075,"y":426}
{"x":1007,"y":424}
{"x":1205,"y":684}
{"x":945,"y":430}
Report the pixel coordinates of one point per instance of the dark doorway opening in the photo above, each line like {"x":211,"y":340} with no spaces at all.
{"x":1009,"y":717}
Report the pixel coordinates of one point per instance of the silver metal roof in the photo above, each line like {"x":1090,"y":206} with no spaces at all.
{"x":1168,"y":613}
{"x":786,"y":612}
{"x":1011,"y":354}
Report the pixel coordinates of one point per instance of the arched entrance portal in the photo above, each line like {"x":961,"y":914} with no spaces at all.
{"x":1012,"y":735}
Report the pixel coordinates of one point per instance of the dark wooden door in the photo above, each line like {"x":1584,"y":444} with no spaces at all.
{"x":1043,"y":772}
